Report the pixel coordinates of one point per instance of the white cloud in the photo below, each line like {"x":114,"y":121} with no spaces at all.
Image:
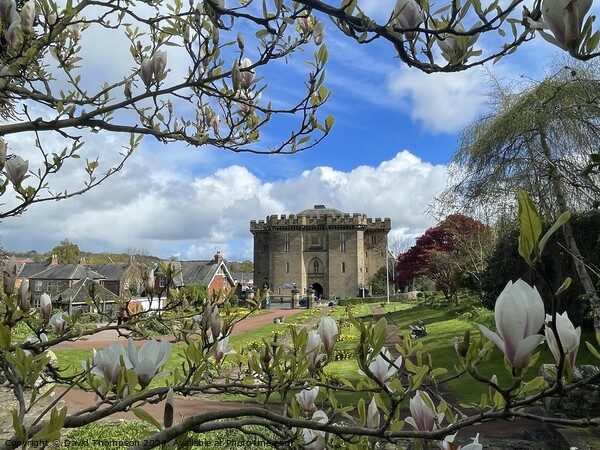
{"x":171,"y":212}
{"x":440,"y":103}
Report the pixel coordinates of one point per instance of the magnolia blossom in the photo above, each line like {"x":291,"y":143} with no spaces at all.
{"x":221,"y":350}
{"x":565,"y":19}
{"x":146,"y":71}
{"x":423,"y":415}
{"x":159,"y":64}
{"x":8,"y":11}
{"x":569,"y":338}
{"x":408,"y":14}
{"x":313,"y":348}
{"x":58,"y":323}
{"x":9,"y":276}
{"x":448,"y":444}
{"x":314,"y":439}
{"x":45,"y":307}
{"x":149,"y":359}
{"x":16,"y":170}
{"x":454,"y":47}
{"x":24,"y":297}
{"x":373,"y":416}
{"x":519,"y":316}
{"x":381,"y":369}
{"x":28,"y":17}
{"x":107,"y":362}
{"x":319,"y":32}
{"x":328,"y":331}
{"x":306,"y":398}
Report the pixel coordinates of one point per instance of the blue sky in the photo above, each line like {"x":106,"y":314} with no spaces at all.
{"x":386,"y":156}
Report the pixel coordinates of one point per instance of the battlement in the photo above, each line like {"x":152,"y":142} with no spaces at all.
{"x":299,"y":221}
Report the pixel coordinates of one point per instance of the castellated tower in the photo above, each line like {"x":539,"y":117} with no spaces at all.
{"x":333,"y":252}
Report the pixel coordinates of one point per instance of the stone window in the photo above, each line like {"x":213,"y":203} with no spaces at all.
{"x":343,"y":267}
{"x":287,"y":267}
{"x":286,"y":242}
{"x":315,"y":265}
{"x":342,"y":242}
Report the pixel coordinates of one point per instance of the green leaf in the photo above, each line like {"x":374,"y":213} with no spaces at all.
{"x":592,"y":349}
{"x":564,"y":286}
{"x":146,"y":417}
{"x":530,"y":226}
{"x":564,"y":218}
{"x":533,"y":385}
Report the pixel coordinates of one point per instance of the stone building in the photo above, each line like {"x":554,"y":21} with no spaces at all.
{"x":333,"y":252}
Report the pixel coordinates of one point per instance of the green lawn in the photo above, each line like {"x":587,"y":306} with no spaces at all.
{"x":443,"y":322}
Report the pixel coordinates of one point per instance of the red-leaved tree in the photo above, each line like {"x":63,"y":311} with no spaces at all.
{"x":442,"y":253}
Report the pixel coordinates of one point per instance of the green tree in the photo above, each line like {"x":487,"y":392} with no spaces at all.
{"x":66,"y":252}
{"x":538,"y":140}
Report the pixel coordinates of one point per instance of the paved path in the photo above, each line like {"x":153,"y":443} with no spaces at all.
{"x":76,"y":399}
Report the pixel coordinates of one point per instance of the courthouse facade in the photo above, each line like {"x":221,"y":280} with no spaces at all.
{"x":321,"y":248}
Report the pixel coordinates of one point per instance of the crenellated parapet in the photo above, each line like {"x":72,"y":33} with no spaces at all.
{"x":294,"y":221}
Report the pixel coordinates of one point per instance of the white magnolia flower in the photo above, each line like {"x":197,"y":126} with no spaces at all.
{"x":306,"y":398}
{"x":569,"y":338}
{"x":28,"y":17}
{"x":423,"y":416}
{"x":16,"y":170}
{"x":106,"y":363}
{"x":314,"y":439}
{"x":381,"y":369}
{"x":58,"y":323}
{"x":408,"y":14}
{"x":373,"y":416}
{"x":221,"y":350}
{"x":148,"y":360}
{"x":328,"y":330}
{"x":45,"y":307}
{"x":519,"y":316}
{"x":9,"y":276}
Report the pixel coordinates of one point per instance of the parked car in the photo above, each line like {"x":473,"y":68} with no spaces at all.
{"x":334,"y":301}
{"x":363,"y":292}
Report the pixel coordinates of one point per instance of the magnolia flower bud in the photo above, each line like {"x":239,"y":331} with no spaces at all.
{"x":45,"y":307}
{"x":28,"y":17}
{"x":6,"y":6}
{"x":159,"y":64}
{"x":75,"y":30}
{"x":240,"y":41}
{"x":216,"y":124}
{"x":16,"y":170}
{"x":454,"y":48}
{"x":14,"y":34}
{"x":319,"y":33}
{"x":328,"y":331}
{"x":24,"y":296}
{"x":246,"y":74}
{"x":373,"y":416}
{"x":408,"y":14}
{"x":9,"y":276}
{"x":146,"y":71}
{"x":569,"y":338}
{"x":169,"y":409}
{"x":58,"y":323}
{"x":127,"y":89}
{"x":2,"y":153}
{"x":423,"y":415}
{"x":221,"y":349}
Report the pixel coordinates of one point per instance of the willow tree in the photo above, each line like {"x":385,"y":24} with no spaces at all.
{"x":539,"y":140}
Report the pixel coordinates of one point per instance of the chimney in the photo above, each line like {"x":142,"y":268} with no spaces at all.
{"x":54,"y":260}
{"x":218,"y":257}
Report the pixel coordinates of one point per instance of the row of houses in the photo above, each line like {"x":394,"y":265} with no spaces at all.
{"x":74,"y":285}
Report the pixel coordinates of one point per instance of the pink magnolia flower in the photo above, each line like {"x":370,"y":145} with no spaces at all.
{"x":448,"y":444}
{"x":9,"y":276}
{"x":314,"y":439}
{"x":569,"y":338}
{"x":519,"y":315}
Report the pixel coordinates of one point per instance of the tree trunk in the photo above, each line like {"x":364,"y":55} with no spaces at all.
{"x":580,"y":267}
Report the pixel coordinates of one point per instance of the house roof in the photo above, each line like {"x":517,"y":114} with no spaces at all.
{"x":29,"y":269}
{"x":320,"y":210}
{"x":81,"y":291}
{"x":111,"y":272}
{"x":67,"y":272}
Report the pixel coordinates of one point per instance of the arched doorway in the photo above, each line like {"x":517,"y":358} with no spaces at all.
{"x":318,"y":290}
